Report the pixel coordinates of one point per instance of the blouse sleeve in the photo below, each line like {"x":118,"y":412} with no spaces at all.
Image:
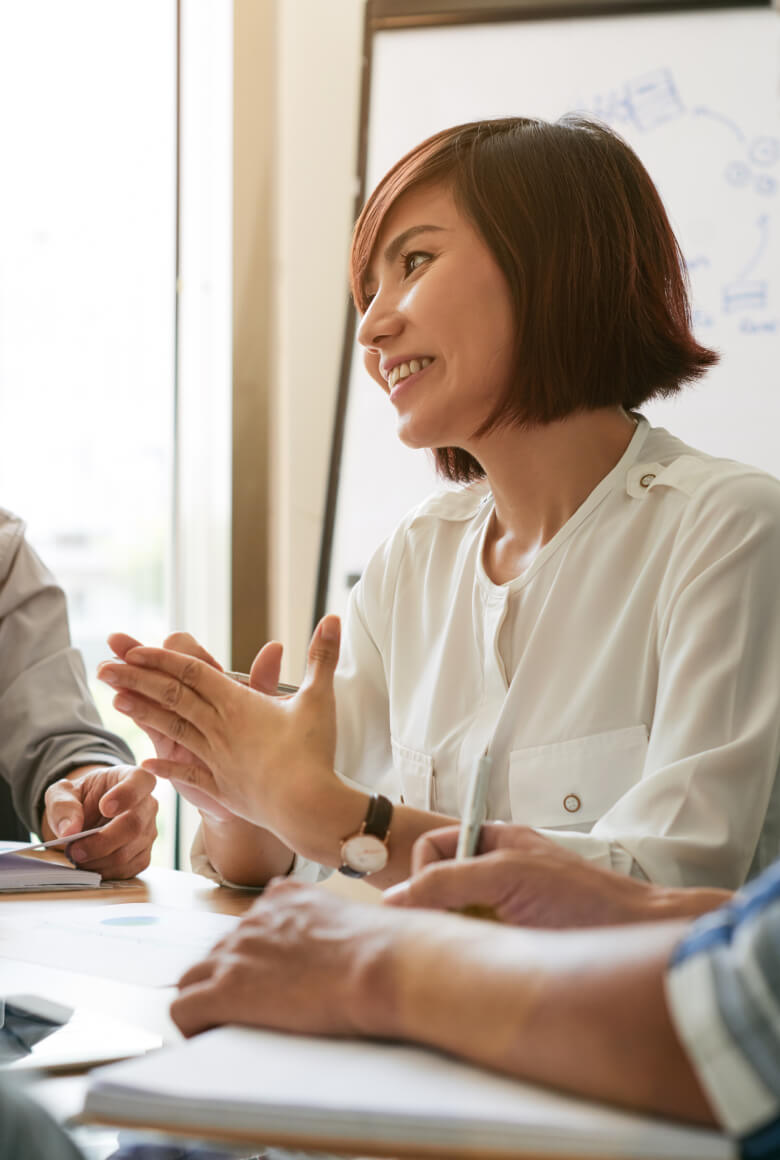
{"x":707,"y":805}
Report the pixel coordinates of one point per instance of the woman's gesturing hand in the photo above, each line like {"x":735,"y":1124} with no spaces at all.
{"x":164,"y":747}
{"x":247,"y":749}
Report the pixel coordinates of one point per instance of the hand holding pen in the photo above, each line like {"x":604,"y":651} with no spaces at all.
{"x":523,"y":877}
{"x":456,"y":885}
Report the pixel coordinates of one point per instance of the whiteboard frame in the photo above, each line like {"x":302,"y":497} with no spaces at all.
{"x":384,"y":15}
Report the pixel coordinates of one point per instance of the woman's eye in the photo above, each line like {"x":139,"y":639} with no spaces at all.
{"x":414,"y":260}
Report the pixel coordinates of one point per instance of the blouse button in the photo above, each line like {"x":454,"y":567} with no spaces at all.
{"x":646,"y":480}
{"x":571,"y":803}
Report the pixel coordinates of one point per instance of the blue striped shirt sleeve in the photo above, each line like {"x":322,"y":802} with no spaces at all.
{"x":723,"y":990}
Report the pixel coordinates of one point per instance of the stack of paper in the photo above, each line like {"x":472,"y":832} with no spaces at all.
{"x":22,"y":872}
{"x":383,"y":1098}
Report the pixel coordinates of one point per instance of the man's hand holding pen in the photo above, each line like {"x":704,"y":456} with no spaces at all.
{"x":519,"y":877}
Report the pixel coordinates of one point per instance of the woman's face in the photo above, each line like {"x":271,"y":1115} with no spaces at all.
{"x":438,"y":333}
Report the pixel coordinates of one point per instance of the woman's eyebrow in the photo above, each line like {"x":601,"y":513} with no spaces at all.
{"x":394,"y":248}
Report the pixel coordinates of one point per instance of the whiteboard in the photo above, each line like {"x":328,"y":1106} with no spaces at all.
{"x":695,"y":93}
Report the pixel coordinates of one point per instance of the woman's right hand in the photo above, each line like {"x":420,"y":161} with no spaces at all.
{"x":120,"y":643}
{"x":239,"y":850}
{"x":263,"y":676}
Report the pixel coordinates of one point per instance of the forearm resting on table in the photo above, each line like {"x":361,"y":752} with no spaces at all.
{"x":242,"y":853}
{"x":583,"y":1011}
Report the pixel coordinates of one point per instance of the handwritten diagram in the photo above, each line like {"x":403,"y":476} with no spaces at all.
{"x":750,"y":172}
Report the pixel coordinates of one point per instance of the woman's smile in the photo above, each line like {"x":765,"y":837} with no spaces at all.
{"x":438,"y":315}
{"x":404,"y":376}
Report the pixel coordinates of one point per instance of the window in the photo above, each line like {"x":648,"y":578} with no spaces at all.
{"x":107,"y":452}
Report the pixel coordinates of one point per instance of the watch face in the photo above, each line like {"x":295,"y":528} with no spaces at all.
{"x":364,"y":853}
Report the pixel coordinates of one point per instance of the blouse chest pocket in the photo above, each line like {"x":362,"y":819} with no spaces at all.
{"x":571,"y":784}
{"x":415,"y":775}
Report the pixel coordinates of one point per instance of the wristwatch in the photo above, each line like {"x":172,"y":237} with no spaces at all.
{"x":366,"y":851}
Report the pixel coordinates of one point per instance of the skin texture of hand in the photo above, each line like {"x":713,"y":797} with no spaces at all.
{"x":305,"y":960}
{"x":529,"y":880}
{"x":169,"y":750}
{"x":266,"y":759}
{"x":92,"y":794}
{"x":241,"y":851}
{"x":292,"y":963}
{"x":255,"y":753}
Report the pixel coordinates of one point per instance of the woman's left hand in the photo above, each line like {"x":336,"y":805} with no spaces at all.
{"x":253,"y":750}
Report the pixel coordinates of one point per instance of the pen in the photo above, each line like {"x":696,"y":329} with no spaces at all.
{"x":282,"y":690}
{"x":471,"y":824}
{"x":475,"y":808}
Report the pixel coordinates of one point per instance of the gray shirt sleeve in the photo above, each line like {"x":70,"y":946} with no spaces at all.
{"x":48,"y":722}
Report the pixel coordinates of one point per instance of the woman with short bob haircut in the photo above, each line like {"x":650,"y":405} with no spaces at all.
{"x":592,"y":606}
{"x":596,"y":277}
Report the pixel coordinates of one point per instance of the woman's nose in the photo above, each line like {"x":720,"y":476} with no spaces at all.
{"x":380,"y":321}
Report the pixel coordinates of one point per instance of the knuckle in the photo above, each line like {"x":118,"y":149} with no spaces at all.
{"x":133,"y":824}
{"x":321,"y":654}
{"x":178,"y":729}
{"x":189,"y":674}
{"x":171,"y":694}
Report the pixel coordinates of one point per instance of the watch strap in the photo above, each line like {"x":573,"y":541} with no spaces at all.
{"x":378,"y":816}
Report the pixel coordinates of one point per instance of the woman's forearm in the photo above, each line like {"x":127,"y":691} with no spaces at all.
{"x":251,"y":855}
{"x":243,"y":853}
{"x":582,"y":1011}
{"x":325,"y":811}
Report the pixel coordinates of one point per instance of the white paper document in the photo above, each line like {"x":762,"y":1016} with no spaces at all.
{"x":274,"y":1088}
{"x":37,"y":1034}
{"x":24,"y":847}
{"x":129,"y":942}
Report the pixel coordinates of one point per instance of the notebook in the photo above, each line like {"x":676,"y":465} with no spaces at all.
{"x":384,"y":1098}
{"x":29,"y":872}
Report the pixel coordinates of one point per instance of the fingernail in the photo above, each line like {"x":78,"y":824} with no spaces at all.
{"x":123,"y":702}
{"x":330,"y":628}
{"x":108,"y":810}
{"x":108,"y":676}
{"x":77,"y":853}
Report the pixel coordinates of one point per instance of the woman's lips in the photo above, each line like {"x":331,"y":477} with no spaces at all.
{"x":402,"y":385}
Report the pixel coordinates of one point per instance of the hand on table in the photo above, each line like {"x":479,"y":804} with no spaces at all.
{"x":525,"y":877}
{"x":248,"y":750}
{"x":299,"y":960}
{"x":84,"y":799}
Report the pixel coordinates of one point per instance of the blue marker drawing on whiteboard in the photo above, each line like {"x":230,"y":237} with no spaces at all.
{"x":737,"y":173}
{"x":647,"y":101}
{"x":765,"y":184}
{"x":654,"y":99}
{"x":765,"y":151}
{"x":746,"y":293}
{"x":700,"y":111}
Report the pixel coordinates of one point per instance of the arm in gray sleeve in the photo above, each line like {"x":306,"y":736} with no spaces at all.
{"x":48,"y":722}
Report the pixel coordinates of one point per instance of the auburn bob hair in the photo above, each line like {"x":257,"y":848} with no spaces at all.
{"x":596,"y":276}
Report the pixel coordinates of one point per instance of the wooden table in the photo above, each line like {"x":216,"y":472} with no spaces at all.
{"x":143,"y":1006}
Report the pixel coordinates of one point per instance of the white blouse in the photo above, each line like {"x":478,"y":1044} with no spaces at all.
{"x":627,"y":683}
